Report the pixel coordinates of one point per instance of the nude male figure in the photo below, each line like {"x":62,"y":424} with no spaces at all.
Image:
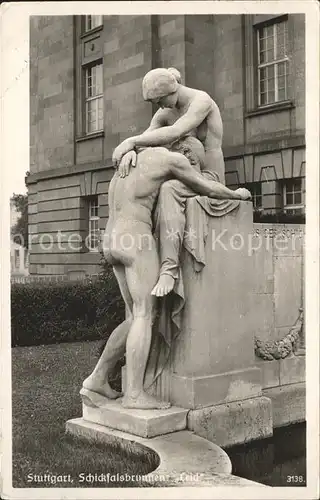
{"x":130,"y":247}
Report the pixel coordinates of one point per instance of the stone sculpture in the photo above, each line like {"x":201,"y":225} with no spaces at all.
{"x":209,"y":373}
{"x":130,"y":247}
{"x":182,"y":111}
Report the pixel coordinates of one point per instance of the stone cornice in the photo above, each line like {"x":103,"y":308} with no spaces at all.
{"x":68,"y":170}
{"x":271,"y":108}
{"x":265,"y":146}
{"x":261,"y":147}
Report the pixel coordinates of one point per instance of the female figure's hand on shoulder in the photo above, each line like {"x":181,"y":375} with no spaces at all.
{"x":128,"y":160}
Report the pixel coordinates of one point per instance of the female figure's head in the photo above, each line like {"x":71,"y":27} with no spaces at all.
{"x":160,"y":86}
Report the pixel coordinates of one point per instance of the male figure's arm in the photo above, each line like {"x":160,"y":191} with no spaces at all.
{"x":181,"y":169}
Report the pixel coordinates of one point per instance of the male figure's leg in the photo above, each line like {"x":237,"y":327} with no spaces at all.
{"x":115,"y":346}
{"x":141,"y":276}
{"x":171,"y":222}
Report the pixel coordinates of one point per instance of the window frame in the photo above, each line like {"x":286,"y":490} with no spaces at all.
{"x":86,"y":29}
{"x":84,"y":59}
{"x":274,"y":62}
{"x":17,"y":258}
{"x":250,"y":23}
{"x":294,"y":206}
{"x":250,"y":186}
{"x":93,"y":202}
{"x":85,"y":100}
{"x":256,"y":196}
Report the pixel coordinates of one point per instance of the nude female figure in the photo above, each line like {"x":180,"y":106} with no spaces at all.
{"x":131,"y":249}
{"x":183,"y":111}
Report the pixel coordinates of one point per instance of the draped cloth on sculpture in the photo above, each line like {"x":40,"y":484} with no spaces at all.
{"x":167,"y":325}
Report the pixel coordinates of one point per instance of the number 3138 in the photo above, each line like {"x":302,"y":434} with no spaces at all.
{"x":295,"y":479}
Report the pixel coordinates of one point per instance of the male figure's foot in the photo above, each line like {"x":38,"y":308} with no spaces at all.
{"x":90,"y":398}
{"x":104,"y":389}
{"x":145,"y":402}
{"x":244,"y":194}
{"x":164,"y":285}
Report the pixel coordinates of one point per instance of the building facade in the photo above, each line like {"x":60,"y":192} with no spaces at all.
{"x":85,"y":81}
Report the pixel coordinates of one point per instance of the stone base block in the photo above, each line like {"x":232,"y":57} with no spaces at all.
{"x":233,"y":423}
{"x":270,"y":372}
{"x":180,"y":459}
{"x":292,"y":370}
{"x":145,"y":423}
{"x":285,"y":371}
{"x":288,"y":404}
{"x":199,"y":392}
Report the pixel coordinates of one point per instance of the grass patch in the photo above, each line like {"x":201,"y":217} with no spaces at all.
{"x":45,"y":393}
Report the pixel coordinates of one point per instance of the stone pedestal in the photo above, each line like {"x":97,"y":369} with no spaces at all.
{"x":144,"y":423}
{"x":212,"y":361}
{"x":233,"y":423}
{"x":211,"y":378}
{"x":212,"y":369}
{"x":288,"y":403}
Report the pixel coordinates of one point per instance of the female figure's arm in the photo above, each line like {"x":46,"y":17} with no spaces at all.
{"x":194,"y":116}
{"x":159,"y":119}
{"x":128,"y":159}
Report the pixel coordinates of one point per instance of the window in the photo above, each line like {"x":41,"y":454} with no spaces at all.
{"x":94,"y":98}
{"x":94,"y":233}
{"x":273,"y":63}
{"x":255,"y":190}
{"x":92,"y":22}
{"x":292,"y":196}
{"x":17,"y":259}
{"x":89,"y":77}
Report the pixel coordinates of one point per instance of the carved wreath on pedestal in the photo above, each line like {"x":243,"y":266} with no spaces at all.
{"x":279,"y":349}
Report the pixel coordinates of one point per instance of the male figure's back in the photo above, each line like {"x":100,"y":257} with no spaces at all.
{"x":133,"y":196}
